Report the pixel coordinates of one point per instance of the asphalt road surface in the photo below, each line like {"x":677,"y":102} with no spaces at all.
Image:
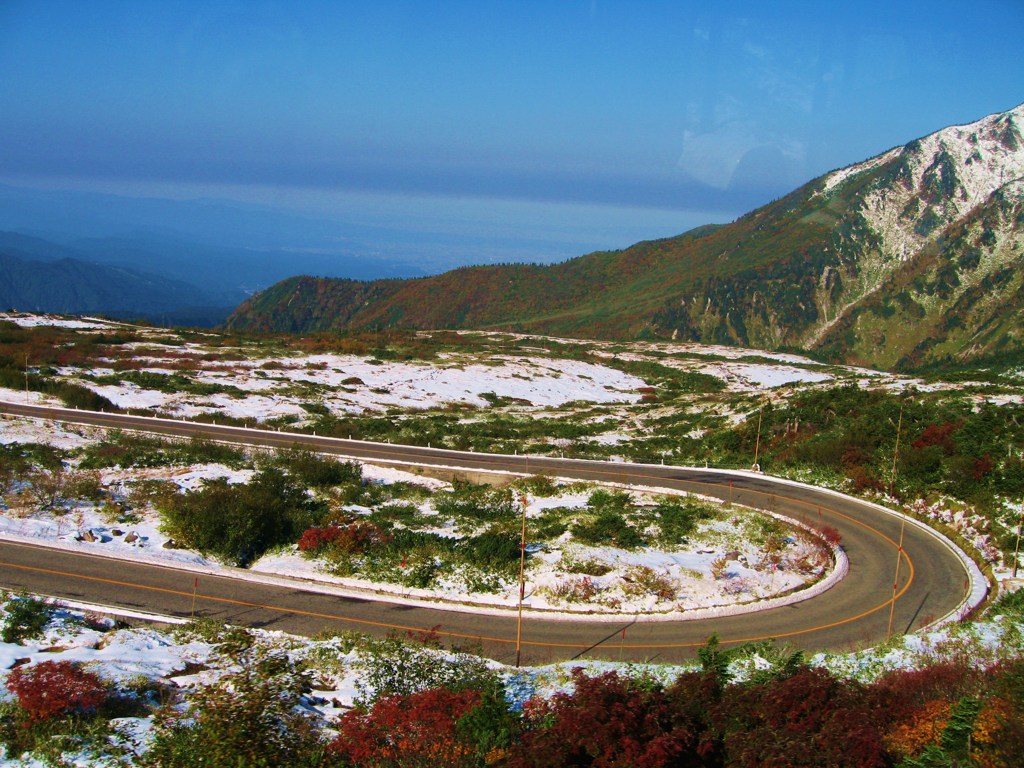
{"x":932,"y":581}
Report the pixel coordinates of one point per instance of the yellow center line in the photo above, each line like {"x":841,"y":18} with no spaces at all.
{"x":242,"y":603}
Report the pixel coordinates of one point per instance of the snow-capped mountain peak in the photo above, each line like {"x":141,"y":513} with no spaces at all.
{"x":963,"y":163}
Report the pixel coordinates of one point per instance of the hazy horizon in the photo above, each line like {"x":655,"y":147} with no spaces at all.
{"x":477,"y":133}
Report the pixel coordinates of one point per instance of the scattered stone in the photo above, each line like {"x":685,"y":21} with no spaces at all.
{"x":116,"y":532}
{"x":171,"y":544}
{"x":131,"y":538}
{"x":88,"y":536}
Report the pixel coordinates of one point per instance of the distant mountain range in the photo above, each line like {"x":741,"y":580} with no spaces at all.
{"x":910,"y":257}
{"x":221,"y":251}
{"x":37,"y":275}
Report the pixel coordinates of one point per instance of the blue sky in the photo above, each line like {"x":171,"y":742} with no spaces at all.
{"x":670,"y":113}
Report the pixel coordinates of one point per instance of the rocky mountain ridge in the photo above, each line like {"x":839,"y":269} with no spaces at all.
{"x":912,"y":256}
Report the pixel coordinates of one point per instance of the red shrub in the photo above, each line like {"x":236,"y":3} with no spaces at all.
{"x":938,"y":434}
{"x":420,"y":729}
{"x":917,"y":702}
{"x":806,"y":719}
{"x":864,"y":480}
{"x":982,"y":467}
{"x":312,"y":539}
{"x":608,"y":721}
{"x":903,"y":692}
{"x":53,"y":688}
{"x":355,"y":537}
{"x":999,"y":729}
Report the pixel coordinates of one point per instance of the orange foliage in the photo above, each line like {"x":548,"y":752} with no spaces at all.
{"x":909,"y":737}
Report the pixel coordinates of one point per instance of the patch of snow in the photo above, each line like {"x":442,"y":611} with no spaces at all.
{"x":35,"y":321}
{"x":836,"y":178}
{"x":776,"y":375}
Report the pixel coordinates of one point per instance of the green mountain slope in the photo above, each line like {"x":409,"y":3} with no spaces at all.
{"x":909,"y":257}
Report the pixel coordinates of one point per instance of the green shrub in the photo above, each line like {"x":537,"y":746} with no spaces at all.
{"x":642,"y":581}
{"x":494,"y":549}
{"x":126,"y":449}
{"x":538,"y":485}
{"x":77,"y":396}
{"x":17,"y":459}
{"x":406,"y":514}
{"x":471,"y":505}
{"x":1010,"y":605}
{"x":249,"y":718}
{"x":49,"y":740}
{"x":607,"y":528}
{"x":395,"y":666}
{"x":226,"y":639}
{"x":239,"y":523}
{"x":316,"y":471}
{"x":25,"y":618}
{"x":677,"y":521}
{"x":413,"y":491}
{"x":589,"y":567}
{"x":603,"y":500}
{"x":551,"y":523}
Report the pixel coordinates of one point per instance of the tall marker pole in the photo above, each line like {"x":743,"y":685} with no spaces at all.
{"x":757,"y":441}
{"x":522,"y":583}
{"x":903,"y":523}
{"x":1016,"y":549}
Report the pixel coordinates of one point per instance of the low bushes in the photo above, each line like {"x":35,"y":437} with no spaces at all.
{"x":396,"y":666}
{"x":434,"y":727}
{"x":125,"y":450}
{"x":57,"y":707}
{"x":315,"y":471}
{"x":373,"y":549}
{"x":53,"y":688}
{"x":609,"y":527}
{"x":241,"y":522}
{"x":334,"y":541}
{"x":607,"y":721}
{"x":792,"y":716}
{"x":25,"y":618}
{"x":421,"y":729}
{"x":252,"y":718}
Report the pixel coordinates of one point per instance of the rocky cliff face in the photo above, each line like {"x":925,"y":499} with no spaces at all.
{"x":922,"y":248}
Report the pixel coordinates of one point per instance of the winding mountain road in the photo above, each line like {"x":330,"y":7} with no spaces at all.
{"x":933,"y":579}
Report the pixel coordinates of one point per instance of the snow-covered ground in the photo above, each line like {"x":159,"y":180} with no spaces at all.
{"x":349,"y":384}
{"x":57,"y":321}
{"x":263,"y":388}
